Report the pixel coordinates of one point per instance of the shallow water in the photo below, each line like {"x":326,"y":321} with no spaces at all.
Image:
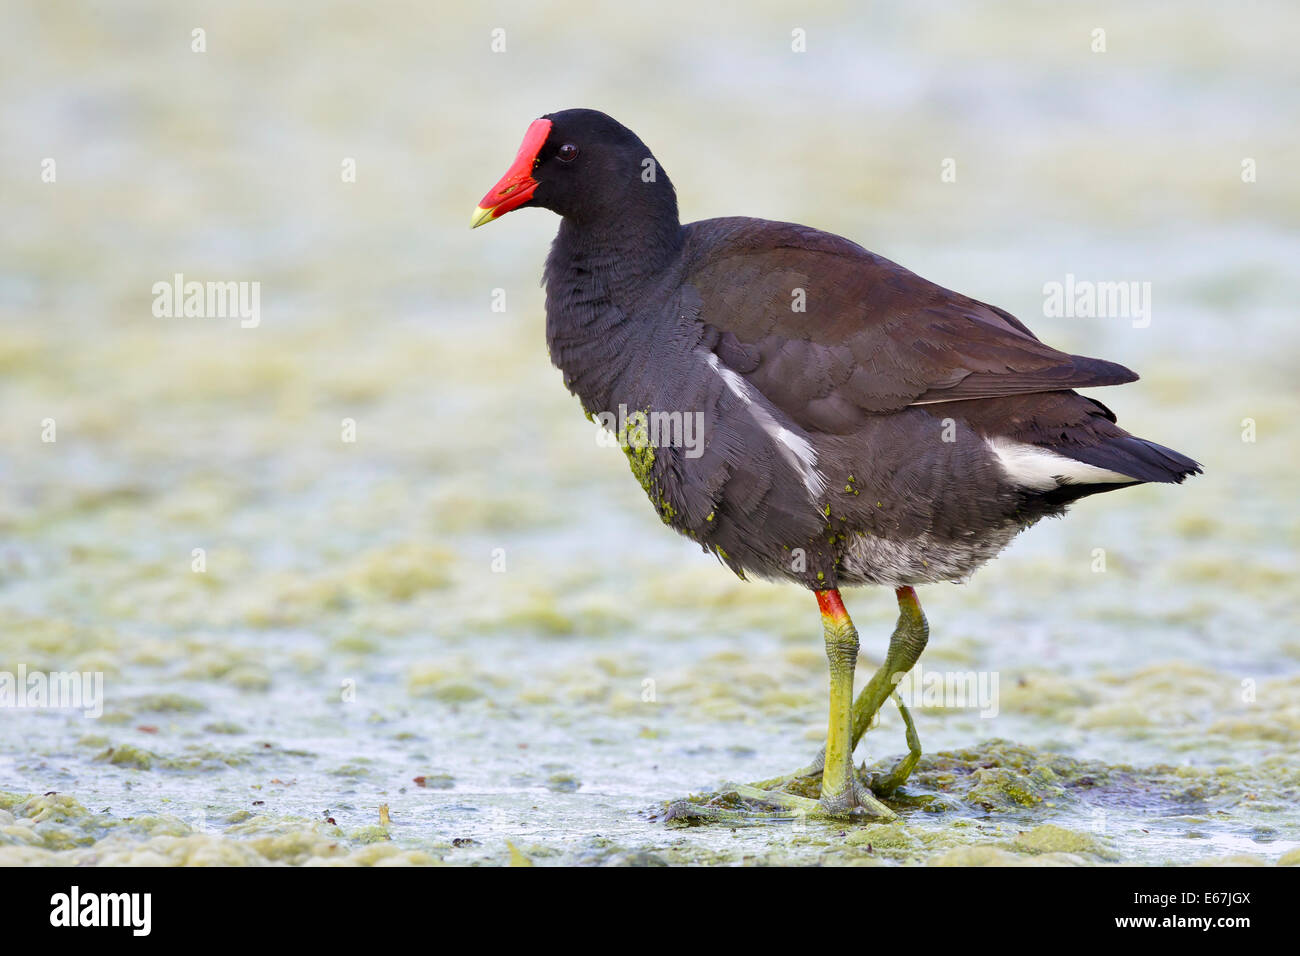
{"x":349,"y":644}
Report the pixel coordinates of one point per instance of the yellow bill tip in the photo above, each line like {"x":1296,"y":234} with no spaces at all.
{"x":481,"y":216}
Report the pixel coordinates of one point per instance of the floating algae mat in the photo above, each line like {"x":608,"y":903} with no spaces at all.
{"x":368,"y":554}
{"x":558,"y":754}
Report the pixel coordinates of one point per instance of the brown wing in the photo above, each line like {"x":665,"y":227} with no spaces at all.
{"x":829,"y":331}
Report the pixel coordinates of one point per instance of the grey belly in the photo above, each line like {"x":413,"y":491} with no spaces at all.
{"x":923,"y":559}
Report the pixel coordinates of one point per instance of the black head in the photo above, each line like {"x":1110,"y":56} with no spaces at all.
{"x":584,"y":165}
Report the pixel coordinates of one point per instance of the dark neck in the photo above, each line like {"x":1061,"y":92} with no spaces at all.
{"x":604,"y":279}
{"x":618,"y":250}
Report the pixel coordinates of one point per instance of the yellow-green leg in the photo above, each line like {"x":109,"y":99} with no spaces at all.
{"x":905,"y":646}
{"x":840,"y":790}
{"x":842,"y":794}
{"x":910,"y":636}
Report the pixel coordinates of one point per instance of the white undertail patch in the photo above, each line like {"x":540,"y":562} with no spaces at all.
{"x":1031,"y":466}
{"x":795,"y":449}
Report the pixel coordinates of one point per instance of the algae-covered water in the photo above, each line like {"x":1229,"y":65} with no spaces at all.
{"x":361,"y":585}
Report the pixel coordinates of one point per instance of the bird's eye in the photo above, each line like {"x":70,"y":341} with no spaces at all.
{"x":568,"y":153}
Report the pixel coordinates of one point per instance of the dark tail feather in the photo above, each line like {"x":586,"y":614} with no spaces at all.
{"x":1137,"y":458}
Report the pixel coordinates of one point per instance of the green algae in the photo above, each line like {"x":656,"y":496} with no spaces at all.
{"x":885,"y":835}
{"x":128,"y":756}
{"x":166,"y":704}
{"x":200,"y":757}
{"x":436,"y":781}
{"x":1000,"y":777}
{"x":1002,"y":803}
{"x":1050,"y":838}
{"x":634,"y":438}
{"x":457,"y":693}
{"x":355,"y":768}
{"x":563,"y":782}
{"x":225,"y":728}
{"x":370,"y":834}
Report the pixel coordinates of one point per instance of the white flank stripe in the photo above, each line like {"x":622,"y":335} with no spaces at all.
{"x":1032,"y":467}
{"x":795,"y":449}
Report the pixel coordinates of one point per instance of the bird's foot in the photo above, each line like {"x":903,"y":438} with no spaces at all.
{"x":808,"y":781}
{"x":855,"y":803}
{"x":791,"y":798}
